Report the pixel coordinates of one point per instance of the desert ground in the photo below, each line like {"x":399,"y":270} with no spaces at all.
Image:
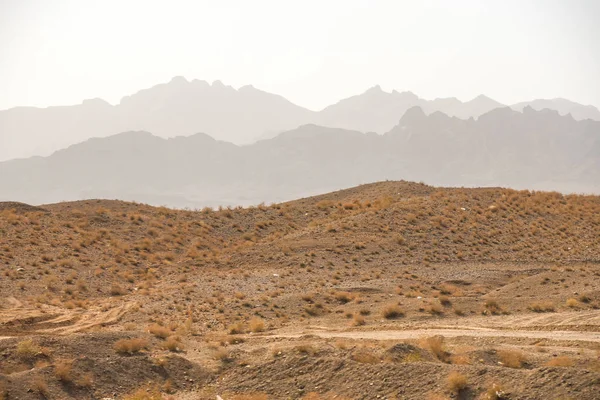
{"x":392,"y":290}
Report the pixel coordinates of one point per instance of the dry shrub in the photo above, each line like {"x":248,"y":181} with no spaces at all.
{"x":86,"y":381}
{"x":511,"y":358}
{"x":237,"y":329}
{"x":221,"y":355}
{"x":392,"y":311}
{"x":435,"y":345}
{"x":40,"y":386}
{"x":315,"y":310}
{"x":173,"y":343}
{"x":561,"y":361}
{"x":28,"y":349}
{"x":366,"y":357}
{"x":130,"y":346}
{"x":492,"y":307}
{"x":63,"y":370}
{"x":435,"y":308}
{"x":358,"y":320}
{"x":460,"y":359}
{"x":412,"y":357}
{"x":117,"y":290}
{"x":448,"y":289}
{"x":343,"y":297}
{"x":305,"y":349}
{"x":572,"y":303}
{"x":457,"y":382}
{"x":542,"y":306}
{"x":159,"y":331}
{"x":256,"y":325}
{"x":495,"y":392}
{"x":445,"y":301}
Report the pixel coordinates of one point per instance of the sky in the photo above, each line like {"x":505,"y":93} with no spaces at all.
{"x":314,"y":53}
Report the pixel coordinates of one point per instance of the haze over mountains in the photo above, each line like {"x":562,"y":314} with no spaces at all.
{"x":529,"y":149}
{"x":240,"y":116}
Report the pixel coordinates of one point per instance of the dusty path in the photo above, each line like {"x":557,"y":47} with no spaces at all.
{"x":565,"y":326}
{"x":447,"y":332}
{"x":20,"y":320}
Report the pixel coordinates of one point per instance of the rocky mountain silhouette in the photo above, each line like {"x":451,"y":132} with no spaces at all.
{"x":241,"y":116}
{"x":563,"y":106}
{"x":530,"y":149}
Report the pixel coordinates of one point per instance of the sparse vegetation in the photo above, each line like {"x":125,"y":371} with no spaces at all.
{"x":457,"y":382}
{"x":511,"y":358}
{"x":131,"y":346}
{"x":392,"y":311}
{"x":246,"y":292}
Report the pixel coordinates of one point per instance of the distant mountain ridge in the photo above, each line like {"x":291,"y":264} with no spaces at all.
{"x":529,"y":149}
{"x":241,"y":116}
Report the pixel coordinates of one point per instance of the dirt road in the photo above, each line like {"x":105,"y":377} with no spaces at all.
{"x":448,"y":332}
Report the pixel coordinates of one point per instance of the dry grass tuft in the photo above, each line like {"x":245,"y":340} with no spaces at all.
{"x":435,"y":345}
{"x":366,"y":357}
{"x":511,"y":358}
{"x":63,"y":370}
{"x":542,"y":306}
{"x":572,"y":303}
{"x":28,"y":349}
{"x":561,"y":361}
{"x":130,"y":346}
{"x":40,"y":386}
{"x":495,"y":392}
{"x":358,"y":320}
{"x":159,"y":331}
{"x":256,"y":325}
{"x":392,"y":311}
{"x":173,"y":343}
{"x":456,"y":382}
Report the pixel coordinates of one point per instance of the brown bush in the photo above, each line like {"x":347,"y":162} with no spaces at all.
{"x":572,"y":303}
{"x":40,"y":386}
{"x":542,"y":306}
{"x":435,"y":344}
{"x":130,"y":346}
{"x":495,"y":392}
{"x":28,"y":349}
{"x":366,"y":357}
{"x":511,"y":358}
{"x":63,"y":370}
{"x":561,"y":361}
{"x":392,"y":311}
{"x":237,"y":329}
{"x":492,"y":307}
{"x":159,"y":331}
{"x":457,"y":382}
{"x":358,"y":320}
{"x":256,"y":325}
{"x":173,"y":343}
{"x":343,"y":297}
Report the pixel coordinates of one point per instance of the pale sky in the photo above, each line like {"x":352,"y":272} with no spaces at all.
{"x":314,"y":53}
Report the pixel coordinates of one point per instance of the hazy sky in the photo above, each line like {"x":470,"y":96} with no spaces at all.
{"x":312,"y":52}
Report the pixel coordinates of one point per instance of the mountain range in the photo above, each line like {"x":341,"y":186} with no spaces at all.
{"x":240,"y":116}
{"x":503,"y":147}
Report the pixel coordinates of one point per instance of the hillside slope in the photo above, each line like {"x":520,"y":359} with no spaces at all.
{"x":328,"y":294}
